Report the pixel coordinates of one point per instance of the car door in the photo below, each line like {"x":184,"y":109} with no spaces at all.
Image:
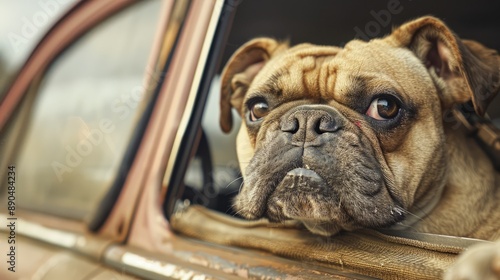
{"x":73,"y":125}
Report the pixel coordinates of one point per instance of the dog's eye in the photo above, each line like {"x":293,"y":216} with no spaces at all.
{"x":384,"y":108}
{"x":258,"y":111}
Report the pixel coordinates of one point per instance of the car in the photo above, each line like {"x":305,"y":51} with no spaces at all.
{"x":113,"y":166}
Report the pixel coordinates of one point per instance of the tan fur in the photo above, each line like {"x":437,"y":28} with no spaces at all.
{"x":432,"y":171}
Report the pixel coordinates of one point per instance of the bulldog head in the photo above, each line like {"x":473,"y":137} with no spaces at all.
{"x":345,"y":138}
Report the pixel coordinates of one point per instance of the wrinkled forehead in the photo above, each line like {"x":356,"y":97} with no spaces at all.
{"x":301,"y":69}
{"x":332,"y":72}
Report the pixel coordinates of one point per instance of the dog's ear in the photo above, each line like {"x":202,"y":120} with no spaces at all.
{"x":239,"y":72}
{"x":464,"y":70}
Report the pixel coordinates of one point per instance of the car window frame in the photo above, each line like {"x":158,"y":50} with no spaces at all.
{"x":83,"y":17}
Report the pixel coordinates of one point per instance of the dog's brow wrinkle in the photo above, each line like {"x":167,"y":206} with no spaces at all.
{"x":332,"y":79}
{"x":272,"y":84}
{"x":309,"y":69}
{"x":328,"y":78}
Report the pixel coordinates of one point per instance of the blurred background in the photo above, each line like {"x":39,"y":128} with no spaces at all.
{"x":22,"y":24}
{"x":337,"y":22}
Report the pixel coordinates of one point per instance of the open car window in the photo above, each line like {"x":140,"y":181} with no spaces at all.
{"x":80,"y":116}
{"x":213,"y":182}
{"x":213,"y":177}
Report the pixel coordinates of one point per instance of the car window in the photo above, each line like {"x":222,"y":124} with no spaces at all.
{"x":212,"y":178}
{"x":21,"y":29}
{"x":215,"y":186}
{"x":83,"y":116}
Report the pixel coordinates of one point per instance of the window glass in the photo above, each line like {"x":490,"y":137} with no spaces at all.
{"x":84,"y":115}
{"x":21,"y":28}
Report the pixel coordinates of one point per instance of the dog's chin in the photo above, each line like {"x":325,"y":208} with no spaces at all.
{"x":303,"y":195}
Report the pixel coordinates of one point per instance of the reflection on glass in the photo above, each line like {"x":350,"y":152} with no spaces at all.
{"x":84,"y":115}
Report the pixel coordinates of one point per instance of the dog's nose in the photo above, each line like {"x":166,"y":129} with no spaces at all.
{"x":308,"y":122}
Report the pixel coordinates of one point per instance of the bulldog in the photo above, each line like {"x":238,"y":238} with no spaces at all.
{"x":361,"y":136}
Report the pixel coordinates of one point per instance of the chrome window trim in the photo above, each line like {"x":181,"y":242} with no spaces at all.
{"x":153,"y":266}
{"x":79,"y":242}
{"x":39,"y":232}
{"x":193,"y":93}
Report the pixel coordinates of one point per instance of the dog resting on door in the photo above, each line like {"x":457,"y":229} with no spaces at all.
{"x":358,"y":137}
